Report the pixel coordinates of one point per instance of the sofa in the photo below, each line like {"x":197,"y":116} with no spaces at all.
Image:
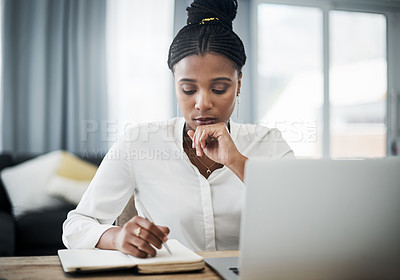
{"x":35,"y":233}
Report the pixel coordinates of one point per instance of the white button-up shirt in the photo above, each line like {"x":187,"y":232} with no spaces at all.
{"x":149,"y":161}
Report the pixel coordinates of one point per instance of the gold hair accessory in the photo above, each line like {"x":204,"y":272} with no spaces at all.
{"x":208,"y":19}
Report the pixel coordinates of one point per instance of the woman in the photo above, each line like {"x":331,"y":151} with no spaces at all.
{"x":188,"y":172}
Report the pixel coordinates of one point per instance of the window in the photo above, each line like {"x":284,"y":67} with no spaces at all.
{"x":139,"y":34}
{"x":358,"y":84}
{"x":321,"y":77}
{"x":290,"y":71}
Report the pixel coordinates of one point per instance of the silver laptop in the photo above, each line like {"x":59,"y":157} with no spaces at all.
{"x":318,"y":219}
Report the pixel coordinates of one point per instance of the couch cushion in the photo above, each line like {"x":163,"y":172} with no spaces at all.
{"x":72,"y":178}
{"x":7,"y":234}
{"x":39,"y":232}
{"x":25,"y":183}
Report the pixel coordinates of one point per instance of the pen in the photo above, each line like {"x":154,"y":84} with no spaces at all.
{"x":148,"y":217}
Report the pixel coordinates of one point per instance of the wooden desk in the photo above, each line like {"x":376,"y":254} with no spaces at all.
{"x":49,"y":267}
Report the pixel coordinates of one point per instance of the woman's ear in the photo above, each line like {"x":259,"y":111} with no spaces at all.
{"x":239,"y":83}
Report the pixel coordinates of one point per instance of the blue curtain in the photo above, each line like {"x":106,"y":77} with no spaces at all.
{"x":54,"y":76}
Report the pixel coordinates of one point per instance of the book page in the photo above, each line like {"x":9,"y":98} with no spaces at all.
{"x":97,"y":259}
{"x":91,"y":259}
{"x":180,"y":254}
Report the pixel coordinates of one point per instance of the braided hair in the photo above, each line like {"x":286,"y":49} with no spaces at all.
{"x":209,"y":29}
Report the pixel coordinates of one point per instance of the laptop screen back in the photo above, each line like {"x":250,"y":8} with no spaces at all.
{"x":321,"y":219}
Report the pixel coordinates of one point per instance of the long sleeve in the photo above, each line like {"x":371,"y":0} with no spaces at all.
{"x":104,"y":200}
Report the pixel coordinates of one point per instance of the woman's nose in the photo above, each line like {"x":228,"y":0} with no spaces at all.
{"x":203,"y":101}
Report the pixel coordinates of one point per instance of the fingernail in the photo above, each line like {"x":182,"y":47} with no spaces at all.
{"x":198,"y":153}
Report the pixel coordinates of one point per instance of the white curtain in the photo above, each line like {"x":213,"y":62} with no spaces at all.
{"x":54,"y":83}
{"x":139,"y":82}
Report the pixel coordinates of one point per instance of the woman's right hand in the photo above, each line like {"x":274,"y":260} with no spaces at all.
{"x":138,"y":234}
{"x":135,"y":237}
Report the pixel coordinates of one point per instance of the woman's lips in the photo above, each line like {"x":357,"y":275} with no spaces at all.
{"x":205,"y":121}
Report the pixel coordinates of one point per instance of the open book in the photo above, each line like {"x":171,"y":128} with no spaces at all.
{"x":182,"y":259}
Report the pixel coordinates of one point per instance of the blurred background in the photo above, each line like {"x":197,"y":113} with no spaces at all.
{"x":75,"y":73}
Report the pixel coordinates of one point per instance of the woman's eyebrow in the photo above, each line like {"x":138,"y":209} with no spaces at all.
{"x":187,"y":80}
{"x":221,"y":79}
{"x":213,"y":80}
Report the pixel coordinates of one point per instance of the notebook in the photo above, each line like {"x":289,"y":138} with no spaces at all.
{"x":86,"y":260}
{"x":318,"y":219}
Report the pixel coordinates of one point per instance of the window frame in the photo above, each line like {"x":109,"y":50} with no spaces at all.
{"x":391,"y":11}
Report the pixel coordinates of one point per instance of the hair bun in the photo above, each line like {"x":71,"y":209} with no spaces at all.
{"x":223,"y":10}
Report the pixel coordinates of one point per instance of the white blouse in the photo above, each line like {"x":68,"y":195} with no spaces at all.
{"x":149,"y":161}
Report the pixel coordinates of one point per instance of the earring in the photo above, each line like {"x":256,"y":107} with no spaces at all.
{"x":237,"y":104}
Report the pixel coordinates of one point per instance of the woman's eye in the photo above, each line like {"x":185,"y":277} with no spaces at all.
{"x":189,"y":92}
{"x":219,"y":91}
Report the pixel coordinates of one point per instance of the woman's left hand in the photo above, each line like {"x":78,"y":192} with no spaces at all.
{"x":216,"y":143}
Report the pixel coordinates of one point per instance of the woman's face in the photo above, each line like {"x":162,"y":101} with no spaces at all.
{"x":206,"y":89}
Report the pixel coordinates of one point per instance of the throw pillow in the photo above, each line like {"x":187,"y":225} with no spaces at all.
{"x":71,"y":179}
{"x":26,"y":183}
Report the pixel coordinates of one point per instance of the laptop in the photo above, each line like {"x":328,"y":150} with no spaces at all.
{"x":318,"y":219}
